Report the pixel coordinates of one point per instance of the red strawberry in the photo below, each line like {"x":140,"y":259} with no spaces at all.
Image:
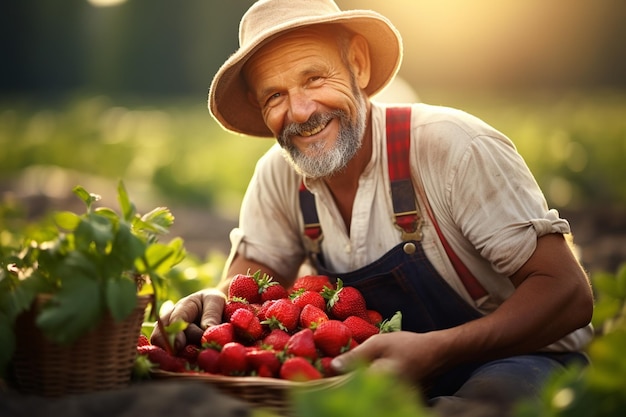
{"x":246,"y":324}
{"x":361,"y":329}
{"x":232,"y":359}
{"x":324,"y":366}
{"x":208,"y":360}
{"x":190,"y":353}
{"x":299,"y":369}
{"x":302,"y":344}
{"x":315,"y":283}
{"x":234,"y":304}
{"x":283,"y":314}
{"x":261,"y":312}
{"x":270,"y":289}
{"x":332,"y":337}
{"x":345,"y":301}
{"x":264,"y":362}
{"x":276,"y":339}
{"x":311,"y":316}
{"x":160,"y":357}
{"x":374,"y":317}
{"x":245,"y":286}
{"x":303,"y":297}
{"x":217,"y":336}
{"x":143,"y":340}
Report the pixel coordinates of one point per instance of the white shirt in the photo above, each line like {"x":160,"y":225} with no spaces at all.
{"x":486,"y":202}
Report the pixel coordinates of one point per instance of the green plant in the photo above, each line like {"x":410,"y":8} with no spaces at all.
{"x":89,"y":264}
{"x":598,"y":390}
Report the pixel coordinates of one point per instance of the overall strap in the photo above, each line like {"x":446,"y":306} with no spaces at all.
{"x":406,"y":216}
{"x":403,"y":194}
{"x":312,"y":228}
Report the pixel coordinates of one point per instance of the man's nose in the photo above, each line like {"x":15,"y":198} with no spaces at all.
{"x":301,"y":107}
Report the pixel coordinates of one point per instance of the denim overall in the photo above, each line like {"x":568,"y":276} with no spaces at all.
{"x":404,"y":279}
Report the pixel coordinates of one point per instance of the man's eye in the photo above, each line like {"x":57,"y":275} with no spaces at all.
{"x":272,"y":98}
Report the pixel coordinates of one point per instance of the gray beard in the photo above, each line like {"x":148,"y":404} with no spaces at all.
{"x":317,"y":162}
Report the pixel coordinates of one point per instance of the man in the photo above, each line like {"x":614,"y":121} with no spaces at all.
{"x":452,"y":229}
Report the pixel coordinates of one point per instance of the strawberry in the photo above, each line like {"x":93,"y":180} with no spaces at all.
{"x":262,"y":310}
{"x":207,"y":360}
{"x":343,"y":302}
{"x":143,"y":340}
{"x":303,"y":297}
{"x":271,"y":290}
{"x":232,"y":359}
{"x":263,"y":362}
{"x":315,"y":283}
{"x":217,"y":336}
{"x":247,"y":325}
{"x":245,"y":286}
{"x":311,"y":316}
{"x":190,"y":353}
{"x":302,"y":344}
{"x":282,"y":314}
{"x":299,"y":369}
{"x":160,"y":357}
{"x":233,"y":304}
{"x":374,"y":317}
{"x":332,"y":337}
{"x":361,"y":329}
{"x":276,"y":339}
{"x":324,"y":365}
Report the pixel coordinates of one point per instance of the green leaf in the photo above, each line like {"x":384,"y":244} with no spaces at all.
{"x":161,"y":258}
{"x":394,"y":324}
{"x":96,"y":229}
{"x":73,"y":311}
{"x":127,"y":247}
{"x":66,"y":220}
{"x":127,"y":207}
{"x":121,"y":297}
{"x":86,"y":197}
{"x":160,"y":218}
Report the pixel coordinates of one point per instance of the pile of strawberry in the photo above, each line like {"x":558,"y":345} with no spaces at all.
{"x":270,"y":331}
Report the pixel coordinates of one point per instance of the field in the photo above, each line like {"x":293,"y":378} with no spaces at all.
{"x":172,"y":153}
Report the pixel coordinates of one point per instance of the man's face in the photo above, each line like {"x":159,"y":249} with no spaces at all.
{"x":310,"y":100}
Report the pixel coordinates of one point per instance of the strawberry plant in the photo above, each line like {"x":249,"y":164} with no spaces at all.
{"x":87,"y":264}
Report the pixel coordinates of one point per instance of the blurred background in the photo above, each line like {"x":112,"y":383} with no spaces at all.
{"x":92,"y":91}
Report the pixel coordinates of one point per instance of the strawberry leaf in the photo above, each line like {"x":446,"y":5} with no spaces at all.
{"x":72,"y":311}
{"x":394,"y":324}
{"x":121,"y":297}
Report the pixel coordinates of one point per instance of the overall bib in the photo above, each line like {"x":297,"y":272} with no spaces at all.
{"x":404,"y":279}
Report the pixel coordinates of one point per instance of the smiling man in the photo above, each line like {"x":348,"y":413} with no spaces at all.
{"x":426,"y":209}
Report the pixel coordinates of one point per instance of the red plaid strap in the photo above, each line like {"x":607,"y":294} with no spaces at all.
{"x":403,"y":195}
{"x":398,"y":129}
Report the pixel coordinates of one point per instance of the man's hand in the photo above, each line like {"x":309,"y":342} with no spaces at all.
{"x":200,"y":309}
{"x":411,"y":356}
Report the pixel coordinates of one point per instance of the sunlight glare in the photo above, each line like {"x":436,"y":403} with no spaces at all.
{"x":105,"y":3}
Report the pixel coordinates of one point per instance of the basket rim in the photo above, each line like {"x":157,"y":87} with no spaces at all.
{"x":252,"y":380}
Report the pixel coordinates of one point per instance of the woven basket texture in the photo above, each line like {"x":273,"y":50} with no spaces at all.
{"x":268,"y":393}
{"x":101,"y":359}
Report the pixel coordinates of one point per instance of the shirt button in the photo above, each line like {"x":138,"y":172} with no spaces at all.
{"x":348,"y":248}
{"x":409,"y":248}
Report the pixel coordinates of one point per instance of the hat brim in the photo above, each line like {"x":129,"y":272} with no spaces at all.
{"x":228,"y":102}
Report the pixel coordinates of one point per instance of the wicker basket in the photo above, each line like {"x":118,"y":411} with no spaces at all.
{"x":101,"y":359}
{"x":268,"y":393}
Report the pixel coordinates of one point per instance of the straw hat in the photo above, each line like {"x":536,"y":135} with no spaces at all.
{"x":267,"y":19}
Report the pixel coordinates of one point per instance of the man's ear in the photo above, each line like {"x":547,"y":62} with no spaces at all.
{"x":359,"y":59}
